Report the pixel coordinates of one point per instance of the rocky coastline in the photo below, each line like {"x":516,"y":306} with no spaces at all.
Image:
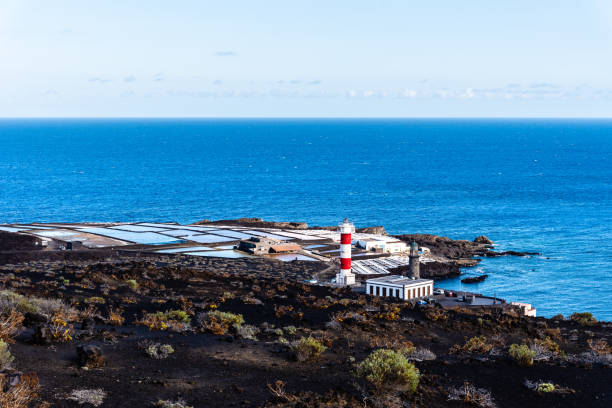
{"x":120,"y":328}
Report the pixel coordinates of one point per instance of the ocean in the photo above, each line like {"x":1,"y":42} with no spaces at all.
{"x":529,"y":185}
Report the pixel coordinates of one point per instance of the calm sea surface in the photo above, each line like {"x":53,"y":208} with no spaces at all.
{"x":535,"y":185}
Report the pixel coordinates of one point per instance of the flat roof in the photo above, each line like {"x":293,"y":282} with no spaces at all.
{"x":398,"y":280}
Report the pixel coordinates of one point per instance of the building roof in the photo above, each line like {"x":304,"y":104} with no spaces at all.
{"x":285,"y":247}
{"x":398,"y":280}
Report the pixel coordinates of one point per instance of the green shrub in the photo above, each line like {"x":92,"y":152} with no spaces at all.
{"x":159,"y":351}
{"x":478,"y":345}
{"x":247,"y":331}
{"x":522,"y":355}
{"x":6,"y":359}
{"x":228,"y":317}
{"x":388,"y":369}
{"x":546,"y":387}
{"x":177,"y":316}
{"x":584,"y":319}
{"x":46,"y":308}
{"x":132,"y":283}
{"x":290,"y":330}
{"x":550,"y":345}
{"x":307,"y":349}
{"x":220,"y":323}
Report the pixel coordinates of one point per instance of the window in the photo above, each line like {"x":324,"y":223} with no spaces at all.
{"x":384,"y":292}
{"x":377,"y":291}
{"x":371,"y":290}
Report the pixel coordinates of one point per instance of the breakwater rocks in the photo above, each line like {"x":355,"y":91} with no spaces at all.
{"x":475,"y":279}
{"x":451,"y":255}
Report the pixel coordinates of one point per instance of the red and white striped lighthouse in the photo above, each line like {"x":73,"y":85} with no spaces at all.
{"x":345,"y":277}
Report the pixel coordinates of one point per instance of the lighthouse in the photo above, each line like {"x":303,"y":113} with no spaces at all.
{"x":413,"y":261}
{"x":345,"y":277}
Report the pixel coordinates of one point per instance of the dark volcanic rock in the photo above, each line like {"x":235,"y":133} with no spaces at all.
{"x":446,"y":247}
{"x":432,"y":270}
{"x":483,"y":240}
{"x":42,"y":335}
{"x":90,"y":356}
{"x":493,"y":254}
{"x":379,"y":230}
{"x":10,"y":241}
{"x":475,"y":279}
{"x":256,"y":222}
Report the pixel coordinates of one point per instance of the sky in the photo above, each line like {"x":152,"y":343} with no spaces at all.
{"x":329,"y":58}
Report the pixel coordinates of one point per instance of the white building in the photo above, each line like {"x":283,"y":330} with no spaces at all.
{"x":400,"y":287}
{"x":391,"y":247}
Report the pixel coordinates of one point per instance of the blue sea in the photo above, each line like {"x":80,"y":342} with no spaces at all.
{"x":529,"y":185}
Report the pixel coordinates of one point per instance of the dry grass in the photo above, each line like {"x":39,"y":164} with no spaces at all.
{"x":115,"y":316}
{"x":9,"y":325}
{"x":599,"y":346}
{"x":278,"y":391}
{"x":477,"y":345}
{"x":20,"y":395}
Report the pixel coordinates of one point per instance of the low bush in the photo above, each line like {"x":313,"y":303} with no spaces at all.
{"x":307,"y":349}
{"x":176,"y":320}
{"x":115,"y":316}
{"x":93,"y":397}
{"x":47,"y":308}
{"x":132,"y":283}
{"x":546,"y":387}
{"x":476,"y":345}
{"x":473,"y":396}
{"x":218,"y":322}
{"x":421,"y":354}
{"x":159,"y":351}
{"x":21,"y":395}
{"x":61,"y":330}
{"x":171,"y":404}
{"x":247,"y":331}
{"x":550,"y":345}
{"x":599,"y":346}
{"x":6,"y":358}
{"x":10,"y":325}
{"x":521,"y":354}
{"x":387,"y":369}
{"x":584,"y":319}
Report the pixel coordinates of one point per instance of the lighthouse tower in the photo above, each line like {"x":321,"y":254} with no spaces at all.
{"x":413,"y":261}
{"x":345,"y":277}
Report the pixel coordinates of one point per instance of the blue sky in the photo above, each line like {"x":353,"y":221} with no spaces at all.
{"x":314,"y":58}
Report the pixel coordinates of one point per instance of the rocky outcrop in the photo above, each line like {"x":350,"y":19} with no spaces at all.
{"x":255,"y":223}
{"x":378,"y":230}
{"x":446,"y":247}
{"x":431,"y":270}
{"x":90,"y":356}
{"x":475,"y":279}
{"x":483,"y":240}
{"x":493,"y":254}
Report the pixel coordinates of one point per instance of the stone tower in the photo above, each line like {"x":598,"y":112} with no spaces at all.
{"x":413,"y":264}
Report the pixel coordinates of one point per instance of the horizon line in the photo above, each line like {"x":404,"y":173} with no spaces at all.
{"x":315,"y":117}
